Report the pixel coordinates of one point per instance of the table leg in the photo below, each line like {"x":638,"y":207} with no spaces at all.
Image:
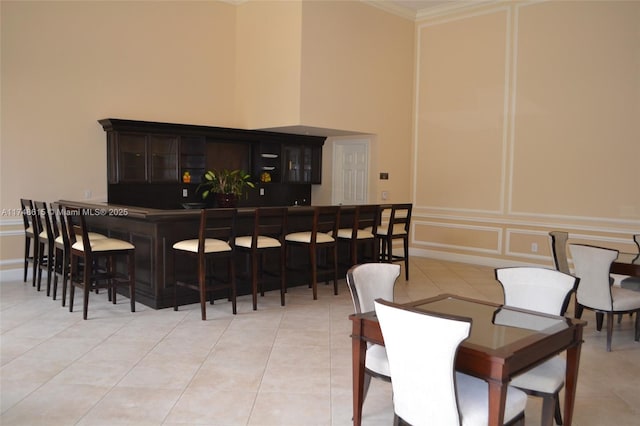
{"x":497,"y":400}
{"x":571,"y":379}
{"x":359,"y":351}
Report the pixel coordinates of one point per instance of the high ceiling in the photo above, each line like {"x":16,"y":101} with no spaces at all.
{"x":419,"y":8}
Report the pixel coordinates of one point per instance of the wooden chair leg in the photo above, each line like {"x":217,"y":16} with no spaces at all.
{"x":548,"y":409}
{"x":599,"y":318}
{"x":314,"y":271}
{"x":132,"y":280}
{"x":609,"y":329}
{"x":27,"y":249}
{"x":558,"y":412}
{"x":203,"y":291}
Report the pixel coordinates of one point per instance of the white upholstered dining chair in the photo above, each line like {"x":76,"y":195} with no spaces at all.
{"x":547,"y":291}
{"x":632,"y":283}
{"x":368,"y":282}
{"x":595,"y":292}
{"x":426,"y":390}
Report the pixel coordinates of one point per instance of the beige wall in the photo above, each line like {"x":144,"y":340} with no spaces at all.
{"x":357,"y":75}
{"x":527,"y":121}
{"x":268,"y":63}
{"x":66,"y":65}
{"x":499,"y":122}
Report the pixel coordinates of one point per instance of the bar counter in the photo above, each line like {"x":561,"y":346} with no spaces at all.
{"x":153,"y":233}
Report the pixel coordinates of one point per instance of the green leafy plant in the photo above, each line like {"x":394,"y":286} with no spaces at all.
{"x":225,"y":182}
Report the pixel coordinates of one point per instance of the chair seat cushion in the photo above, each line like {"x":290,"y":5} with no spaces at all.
{"x":92,"y":236}
{"x":263,"y":242}
{"x":305,"y":237}
{"x":397,"y":230}
{"x":105,"y":244}
{"x":473,"y":397}
{"x":376,"y":360}
{"x":211,"y":245}
{"x":547,"y":377}
{"x":625,"y":299}
{"x":631,"y":283}
{"x":360,"y":235}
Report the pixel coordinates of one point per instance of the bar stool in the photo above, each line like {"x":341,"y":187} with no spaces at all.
{"x":362,"y":233}
{"x":216,"y":241}
{"x":325,"y":222}
{"x":29,"y":237}
{"x":62,"y":250}
{"x":269,"y":225}
{"x":45,"y":243}
{"x":89,"y":253}
{"x":397,"y":228}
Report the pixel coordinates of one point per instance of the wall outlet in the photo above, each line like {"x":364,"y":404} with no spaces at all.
{"x":384,"y":195}
{"x":87,"y":194}
{"x":261,"y":191}
{"x":534,"y":247}
{"x":185,"y":192}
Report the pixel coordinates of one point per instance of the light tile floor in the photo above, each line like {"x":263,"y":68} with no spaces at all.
{"x":275,"y":366}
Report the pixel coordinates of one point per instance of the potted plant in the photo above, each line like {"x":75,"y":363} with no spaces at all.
{"x":227,"y":185}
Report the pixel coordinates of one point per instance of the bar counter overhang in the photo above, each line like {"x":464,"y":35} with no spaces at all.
{"x":153,"y":233}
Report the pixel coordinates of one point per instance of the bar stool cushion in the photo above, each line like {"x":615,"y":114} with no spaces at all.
{"x":92,"y":236}
{"x":211,"y":245}
{"x":105,"y":244}
{"x":305,"y":237}
{"x":263,"y":242}
{"x":398,"y":229}
{"x":361,"y":234}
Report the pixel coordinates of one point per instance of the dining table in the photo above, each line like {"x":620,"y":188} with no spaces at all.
{"x":626,"y":264}
{"x":504,"y":342}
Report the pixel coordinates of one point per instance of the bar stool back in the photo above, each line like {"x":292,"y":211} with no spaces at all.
{"x":90,"y":253}
{"x":29,"y":237}
{"x":62,"y":250}
{"x":269,"y":225}
{"x":361,"y":234}
{"x":216,"y":240}
{"x":397,"y":228}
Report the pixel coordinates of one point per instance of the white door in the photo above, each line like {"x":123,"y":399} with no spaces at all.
{"x":350,"y":171}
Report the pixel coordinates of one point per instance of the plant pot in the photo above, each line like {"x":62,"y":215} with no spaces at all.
{"x":226,"y":200}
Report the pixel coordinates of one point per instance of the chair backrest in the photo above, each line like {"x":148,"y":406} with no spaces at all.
{"x":27,"y":214}
{"x":326,"y":219}
{"x":592,"y":265}
{"x":400,"y":218}
{"x":365,"y":216}
{"x":537,"y":289}
{"x":43,"y":219}
{"x":558,"y":241}
{"x":421,"y":348}
{"x":55,"y":218}
{"x":370,"y":281}
{"x":269,"y":222}
{"x":219,"y":224}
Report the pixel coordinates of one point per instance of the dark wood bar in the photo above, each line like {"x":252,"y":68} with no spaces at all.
{"x":154,"y":231}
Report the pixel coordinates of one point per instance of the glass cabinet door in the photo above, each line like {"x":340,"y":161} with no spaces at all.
{"x":132,"y":156}
{"x":163,"y":158}
{"x":302,"y":164}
